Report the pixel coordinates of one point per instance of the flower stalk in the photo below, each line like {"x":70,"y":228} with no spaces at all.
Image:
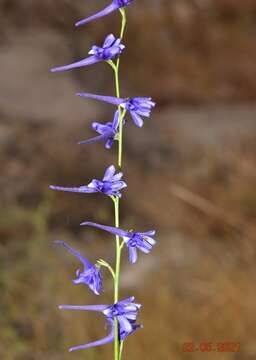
{"x":121,"y":316}
{"x":117,"y":279}
{"x":117,"y":349}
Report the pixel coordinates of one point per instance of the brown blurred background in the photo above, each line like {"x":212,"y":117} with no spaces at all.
{"x":190,"y":172}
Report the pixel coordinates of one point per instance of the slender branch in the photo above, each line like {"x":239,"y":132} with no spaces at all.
{"x":106,"y":265}
{"x":112,"y":64}
{"x":121,"y":349}
{"x":123,"y":14}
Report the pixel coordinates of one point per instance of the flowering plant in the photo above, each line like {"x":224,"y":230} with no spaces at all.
{"x":121,"y":316}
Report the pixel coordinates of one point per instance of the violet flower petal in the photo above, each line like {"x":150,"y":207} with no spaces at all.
{"x":112,"y":230}
{"x":118,"y":185}
{"x":109,"y":173}
{"x":99,"y":308}
{"x":136,"y":119}
{"x":126,"y":300}
{"x":101,"y":128}
{"x":90,"y":277}
{"x":94,"y":139}
{"x":85,"y":62}
{"x":126,"y":325}
{"x":117,"y":177}
{"x":149,"y":233}
{"x":108,"y":10}
{"x":133,"y":255}
{"x":116,"y":120}
{"x":149,"y":240}
{"x":108,"y":339}
{"x":74,"y":252}
{"x":108,"y":99}
{"x":109,"y":143}
{"x":80,"y":189}
{"x":109,"y":41}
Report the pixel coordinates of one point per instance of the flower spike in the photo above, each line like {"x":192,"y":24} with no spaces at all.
{"x":111,"y":48}
{"x":115,"y":5}
{"x":121,"y":316}
{"x":124,"y":311}
{"x":111,"y":184}
{"x":90,"y":276}
{"x":134,"y":240}
{"x":137,"y":106}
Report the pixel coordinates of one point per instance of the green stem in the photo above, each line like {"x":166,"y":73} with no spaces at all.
{"x":117,"y":277}
{"x":121,"y":350}
{"x":123,"y":14}
{"x":117,"y":348}
{"x":121,"y":116}
{"x":120,"y":142}
{"x":118,"y":253}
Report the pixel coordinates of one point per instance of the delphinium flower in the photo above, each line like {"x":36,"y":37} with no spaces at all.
{"x":137,"y":106}
{"x":90,"y":275}
{"x":110,"y":185}
{"x":124,"y":311}
{"x":115,"y":5}
{"x":110,"y":49}
{"x":108,"y":132}
{"x":134,"y":240}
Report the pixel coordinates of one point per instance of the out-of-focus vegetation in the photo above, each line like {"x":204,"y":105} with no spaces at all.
{"x":190,"y":171}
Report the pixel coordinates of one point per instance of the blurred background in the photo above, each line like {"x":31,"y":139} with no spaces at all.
{"x":190,"y":172}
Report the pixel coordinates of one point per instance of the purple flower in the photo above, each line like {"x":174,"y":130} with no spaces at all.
{"x":111,"y":48}
{"x":124,"y":311}
{"x":134,"y":240}
{"x":115,"y":5}
{"x":137,"y":106}
{"x":107,"y":132}
{"x":90,"y":275}
{"x":110,"y":185}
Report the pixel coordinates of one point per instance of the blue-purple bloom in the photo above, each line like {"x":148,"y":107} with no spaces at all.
{"x":108,"y":132}
{"x":90,"y":275}
{"x":134,"y":240}
{"x":115,"y":5}
{"x":111,"y":48}
{"x":110,"y":185}
{"x":137,"y":106}
{"x":124,"y":311}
